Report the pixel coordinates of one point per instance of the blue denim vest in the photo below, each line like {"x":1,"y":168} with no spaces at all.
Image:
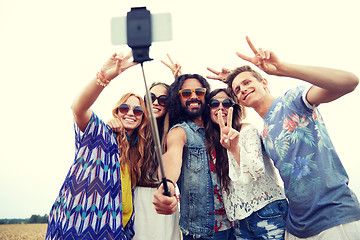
{"x":195,"y":183}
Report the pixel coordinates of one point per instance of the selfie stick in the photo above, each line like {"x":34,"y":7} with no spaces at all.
{"x":139,"y":40}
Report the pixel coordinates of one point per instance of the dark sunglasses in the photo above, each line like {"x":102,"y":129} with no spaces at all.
{"x":162,"y":99}
{"x":137,"y":110}
{"x":227,"y":103}
{"x":186,"y":92}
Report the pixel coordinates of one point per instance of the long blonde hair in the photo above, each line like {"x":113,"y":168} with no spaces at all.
{"x":133,"y":152}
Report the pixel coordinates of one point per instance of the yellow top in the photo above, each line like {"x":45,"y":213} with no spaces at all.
{"x":127,"y":202}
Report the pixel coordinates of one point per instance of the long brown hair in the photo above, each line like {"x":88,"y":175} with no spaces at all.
{"x":163,"y":123}
{"x":212,"y":133}
{"x":134,"y":152}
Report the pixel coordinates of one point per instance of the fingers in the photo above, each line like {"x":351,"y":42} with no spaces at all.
{"x":230,"y":116}
{"x":225,"y":70}
{"x":258,"y":53}
{"x":233,"y":134}
{"x":170,"y":59}
{"x":213,"y":70}
{"x":213,"y":77}
{"x":251,"y":46}
{"x":221,"y":121}
{"x":128,"y":56}
{"x":267,"y":54}
{"x":244,"y":57}
{"x":115,"y":124}
{"x":177,"y":71}
{"x":168,"y":65}
{"x":164,"y":204}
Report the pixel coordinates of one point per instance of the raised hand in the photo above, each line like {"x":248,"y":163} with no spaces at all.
{"x":117,"y":64}
{"x":229,"y":137}
{"x":265,"y":60}
{"x":221,"y":76}
{"x":174,"y":67}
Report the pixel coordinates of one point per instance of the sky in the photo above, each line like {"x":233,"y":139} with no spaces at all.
{"x":49,"y":50}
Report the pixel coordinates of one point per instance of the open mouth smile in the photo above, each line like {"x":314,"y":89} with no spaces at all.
{"x":247,"y":95}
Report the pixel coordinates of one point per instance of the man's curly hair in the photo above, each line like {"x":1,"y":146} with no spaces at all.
{"x":176,"y":112}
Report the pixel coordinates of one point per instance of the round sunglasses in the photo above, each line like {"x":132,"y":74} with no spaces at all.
{"x":227,"y":103}
{"x":186,"y":92}
{"x":125,"y":108}
{"x":162,"y":99}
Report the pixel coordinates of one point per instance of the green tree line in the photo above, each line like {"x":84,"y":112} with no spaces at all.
{"x":32,"y":219}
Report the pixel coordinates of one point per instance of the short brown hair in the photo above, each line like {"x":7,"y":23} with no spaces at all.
{"x":232,"y":75}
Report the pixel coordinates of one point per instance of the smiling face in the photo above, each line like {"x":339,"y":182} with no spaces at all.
{"x":194,"y":105}
{"x":159,"y":110}
{"x":249,"y":90}
{"x":129,"y":120}
{"x":221,"y":96}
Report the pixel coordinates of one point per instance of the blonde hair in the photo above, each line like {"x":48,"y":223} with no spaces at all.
{"x":133,"y":152}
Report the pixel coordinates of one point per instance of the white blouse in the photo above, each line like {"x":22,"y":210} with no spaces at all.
{"x":254,"y":183}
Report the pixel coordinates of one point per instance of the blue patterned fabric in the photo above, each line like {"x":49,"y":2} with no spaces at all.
{"x":89,"y":205}
{"x":316,"y":183}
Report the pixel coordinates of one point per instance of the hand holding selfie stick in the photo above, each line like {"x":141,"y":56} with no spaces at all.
{"x":139,"y":40}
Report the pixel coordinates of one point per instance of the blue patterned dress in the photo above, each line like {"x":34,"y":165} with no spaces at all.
{"x":89,"y":205}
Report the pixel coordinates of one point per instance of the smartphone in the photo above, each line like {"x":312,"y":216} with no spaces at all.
{"x":160,"y":26}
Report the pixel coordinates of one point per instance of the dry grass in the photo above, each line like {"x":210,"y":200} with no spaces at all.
{"x":23,"y":231}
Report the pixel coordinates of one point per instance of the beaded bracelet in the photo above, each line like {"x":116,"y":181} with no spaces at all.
{"x":101,"y":79}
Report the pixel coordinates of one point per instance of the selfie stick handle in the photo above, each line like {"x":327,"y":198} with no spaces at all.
{"x":155,"y":135}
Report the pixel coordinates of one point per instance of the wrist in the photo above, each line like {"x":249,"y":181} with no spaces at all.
{"x":235,"y":150}
{"x":283,"y":69}
{"x":101,"y":80}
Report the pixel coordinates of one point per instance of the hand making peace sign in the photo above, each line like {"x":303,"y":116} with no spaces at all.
{"x":174,"y":67}
{"x":221,"y":76}
{"x":117,"y":64}
{"x":265,"y":60}
{"x":229,"y":137}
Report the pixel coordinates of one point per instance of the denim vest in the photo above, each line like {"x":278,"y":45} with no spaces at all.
{"x":195,"y":183}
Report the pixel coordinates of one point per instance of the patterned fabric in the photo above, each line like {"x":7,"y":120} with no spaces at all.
{"x":254,"y":183}
{"x":221,"y":221}
{"x":89,"y":205}
{"x":316,"y":183}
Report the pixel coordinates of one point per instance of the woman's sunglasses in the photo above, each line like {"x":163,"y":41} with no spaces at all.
{"x":137,"y":110}
{"x":162,"y":99}
{"x":186,"y":92}
{"x":227,"y":103}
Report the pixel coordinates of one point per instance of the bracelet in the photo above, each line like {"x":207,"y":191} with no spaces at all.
{"x":168,"y":180}
{"x":101,"y":79}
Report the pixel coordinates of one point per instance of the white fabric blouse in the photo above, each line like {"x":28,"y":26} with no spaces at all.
{"x":254,"y":183}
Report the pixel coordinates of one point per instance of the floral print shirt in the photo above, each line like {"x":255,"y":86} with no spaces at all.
{"x":316,"y":184}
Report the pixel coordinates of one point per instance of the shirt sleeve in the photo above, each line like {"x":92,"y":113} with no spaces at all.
{"x":94,"y":128}
{"x":306,"y":102}
{"x":251,"y":159}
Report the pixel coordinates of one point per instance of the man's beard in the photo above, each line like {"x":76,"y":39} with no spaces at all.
{"x":195,"y":113}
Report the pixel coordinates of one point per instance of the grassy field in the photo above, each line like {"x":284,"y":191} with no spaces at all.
{"x":23,"y":231}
